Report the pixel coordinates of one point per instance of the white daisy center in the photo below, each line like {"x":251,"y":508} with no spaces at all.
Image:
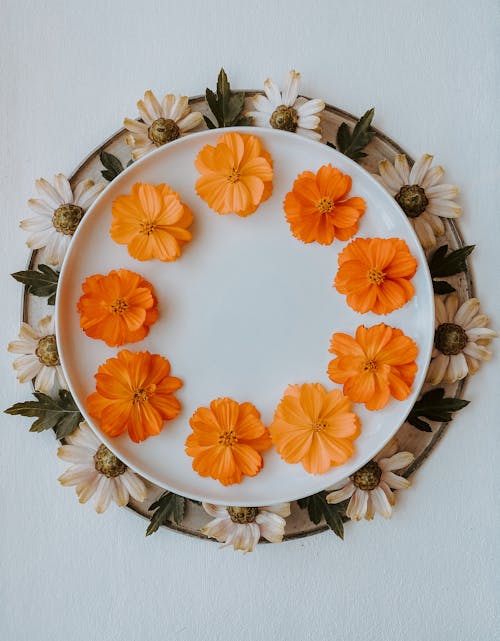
{"x":46,"y":351}
{"x":163,"y":130}
{"x":284,"y":118}
{"x":450,"y":339}
{"x":242,"y":514}
{"x":412,"y":200}
{"x":66,"y":218}
{"x":368,"y":477}
{"x":107,"y":463}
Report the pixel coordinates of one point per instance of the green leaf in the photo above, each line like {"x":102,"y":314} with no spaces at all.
{"x":60,"y":414}
{"x":113,"y":166}
{"x":167,"y":507}
{"x":443,"y":264}
{"x":39,"y":282}
{"x":225,"y":105}
{"x":435,"y":407}
{"x":318,"y":508}
{"x":442,"y":287}
{"x":352,"y":143}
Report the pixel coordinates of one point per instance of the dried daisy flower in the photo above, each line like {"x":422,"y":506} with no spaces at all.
{"x":419,"y":194}
{"x":39,"y":358}
{"x":242,"y":527}
{"x":96,"y":471}
{"x":370,"y":488}
{"x":59,"y":211}
{"x":460,"y":340}
{"x":285,"y":110}
{"x":161,"y":123}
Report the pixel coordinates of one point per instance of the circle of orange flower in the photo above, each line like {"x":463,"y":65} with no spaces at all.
{"x":117,"y":308}
{"x":236,"y":174}
{"x":375,"y":365}
{"x":134,"y":394}
{"x":227,"y":440}
{"x":375,"y":274}
{"x":318,"y":209}
{"x":314,"y":427}
{"x":152,"y":221}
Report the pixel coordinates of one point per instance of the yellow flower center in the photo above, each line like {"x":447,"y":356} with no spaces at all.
{"x":319,"y":425}
{"x":119,"y":305}
{"x":370,"y":366}
{"x":234,"y":175}
{"x":375,"y":276}
{"x":147,"y":228}
{"x":228,"y":438}
{"x":141,"y":394}
{"x":325,"y":205}
{"x":46,"y":351}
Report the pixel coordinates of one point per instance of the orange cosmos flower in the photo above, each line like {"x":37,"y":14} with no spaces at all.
{"x":152,"y":221}
{"x":375,"y":274}
{"x":118,"y":308}
{"x":134,"y":393}
{"x":377,"y":364}
{"x":236,"y":174}
{"x":318,"y":209}
{"x":314,"y":427}
{"x":227,"y":440}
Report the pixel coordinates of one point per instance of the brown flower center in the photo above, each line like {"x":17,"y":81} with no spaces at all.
{"x":368,"y":477}
{"x":47,"y":351}
{"x":325,"y":205}
{"x":141,"y":394}
{"x":228,"y":438}
{"x":242,"y":514}
{"x":450,"y":339}
{"x":66,"y":218}
{"x":319,"y":425}
{"x":370,"y":366}
{"x":119,"y":306}
{"x":106,"y":463}
{"x":162,"y":131}
{"x":148,"y":228}
{"x":412,"y":200}
{"x":375,"y":276}
{"x":234,"y":175}
{"x":284,"y":118}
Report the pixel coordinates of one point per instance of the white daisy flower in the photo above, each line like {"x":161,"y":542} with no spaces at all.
{"x":97,"y":471}
{"x":58,"y":213}
{"x":284,"y":110}
{"x":161,"y":124}
{"x":40,"y":359}
{"x":419,"y":195}
{"x":460,"y":340}
{"x":370,"y":488}
{"x":242,"y":527}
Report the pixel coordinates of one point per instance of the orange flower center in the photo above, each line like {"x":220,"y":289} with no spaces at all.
{"x":375,"y":276}
{"x":141,"y":394}
{"x":147,"y":228}
{"x":325,"y":205}
{"x":118,"y":306}
{"x":370,"y":366}
{"x":319,"y":425}
{"x":234,"y":175}
{"x":228,"y":438}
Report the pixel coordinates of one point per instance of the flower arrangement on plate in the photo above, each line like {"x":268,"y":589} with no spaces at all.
{"x":461,"y":338}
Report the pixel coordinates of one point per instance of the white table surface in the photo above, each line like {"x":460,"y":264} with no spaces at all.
{"x":70,"y":72}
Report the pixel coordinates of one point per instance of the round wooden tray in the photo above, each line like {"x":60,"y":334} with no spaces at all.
{"x":419,"y":443}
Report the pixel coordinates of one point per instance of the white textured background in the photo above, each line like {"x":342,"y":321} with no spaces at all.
{"x":70,"y":72}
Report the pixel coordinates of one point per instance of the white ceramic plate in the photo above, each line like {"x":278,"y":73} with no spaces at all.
{"x":245,"y":311}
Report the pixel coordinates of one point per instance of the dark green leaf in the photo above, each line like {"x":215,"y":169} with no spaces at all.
{"x":442,"y":287}
{"x":442,"y":264}
{"x":352,"y":143}
{"x":113,"y":166}
{"x":60,"y":414}
{"x":435,"y":407}
{"x":39,"y":282}
{"x":167,"y":507}
{"x":318,"y":509}
{"x":225,"y":105}
{"x":245,"y":121}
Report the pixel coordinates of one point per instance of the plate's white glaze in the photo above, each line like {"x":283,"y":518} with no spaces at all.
{"x":245,"y":311}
